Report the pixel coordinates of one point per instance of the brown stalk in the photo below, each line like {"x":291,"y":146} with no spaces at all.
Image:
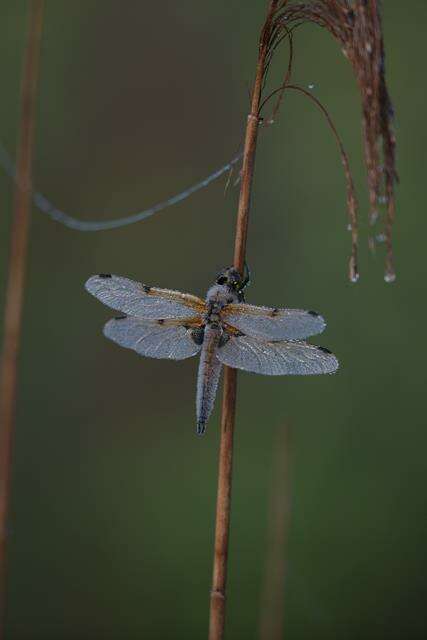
{"x":271,"y":625}
{"x":16,"y":275}
{"x":222,"y":529}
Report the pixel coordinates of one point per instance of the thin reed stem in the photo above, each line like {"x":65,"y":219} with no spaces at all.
{"x":16,"y":276}
{"x":223,"y":506}
{"x":271,"y":626}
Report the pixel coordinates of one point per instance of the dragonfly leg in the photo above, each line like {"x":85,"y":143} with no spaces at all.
{"x":245,"y":282}
{"x":246,"y":276}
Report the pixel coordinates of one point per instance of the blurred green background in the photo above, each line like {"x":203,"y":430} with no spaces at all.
{"x":112,"y":516}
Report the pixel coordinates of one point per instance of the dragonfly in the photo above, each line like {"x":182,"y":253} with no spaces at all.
{"x":223,"y":329}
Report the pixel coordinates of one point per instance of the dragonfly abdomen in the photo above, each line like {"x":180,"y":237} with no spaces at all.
{"x":208,"y":375}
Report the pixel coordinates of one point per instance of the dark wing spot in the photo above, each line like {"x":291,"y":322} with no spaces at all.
{"x":229,"y":332}
{"x":313,"y":313}
{"x":324,"y":349}
{"x":223,"y":339}
{"x":120,"y":318}
{"x":105,"y":275}
{"x":161,"y":321}
{"x":274,"y":312}
{"x":197,"y":335}
{"x":146,"y":288}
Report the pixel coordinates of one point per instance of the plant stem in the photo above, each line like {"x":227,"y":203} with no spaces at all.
{"x":223,"y":505}
{"x":271,"y":615}
{"x":16,"y":275}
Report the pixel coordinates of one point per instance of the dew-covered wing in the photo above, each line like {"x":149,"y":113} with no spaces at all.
{"x":276,"y":358}
{"x":273,"y":324}
{"x":142,"y":301}
{"x":152,"y":339}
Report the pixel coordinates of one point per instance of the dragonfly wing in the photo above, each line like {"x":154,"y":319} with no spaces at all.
{"x":276,"y":358}
{"x":152,"y":339}
{"x":142,"y":301}
{"x":273,"y":324}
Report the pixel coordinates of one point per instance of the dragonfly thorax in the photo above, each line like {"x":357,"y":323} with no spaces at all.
{"x":217,"y":298}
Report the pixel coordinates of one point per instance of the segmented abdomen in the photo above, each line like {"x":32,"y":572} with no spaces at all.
{"x":208,"y":376}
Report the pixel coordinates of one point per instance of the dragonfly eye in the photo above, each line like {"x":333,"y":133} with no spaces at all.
{"x":222,"y":280}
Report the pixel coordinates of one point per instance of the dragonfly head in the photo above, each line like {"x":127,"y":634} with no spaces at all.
{"x":232,"y":278}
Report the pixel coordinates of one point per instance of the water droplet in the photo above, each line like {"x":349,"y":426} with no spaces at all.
{"x":390,"y":276}
{"x":373,"y":217}
{"x":382,"y":199}
{"x":311,"y":86}
{"x":353,"y":273}
{"x":349,"y":227}
{"x":381,"y":237}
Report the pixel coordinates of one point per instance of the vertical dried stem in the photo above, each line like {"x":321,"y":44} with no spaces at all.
{"x":271,"y":615}
{"x":16,"y":276}
{"x":219,"y":579}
